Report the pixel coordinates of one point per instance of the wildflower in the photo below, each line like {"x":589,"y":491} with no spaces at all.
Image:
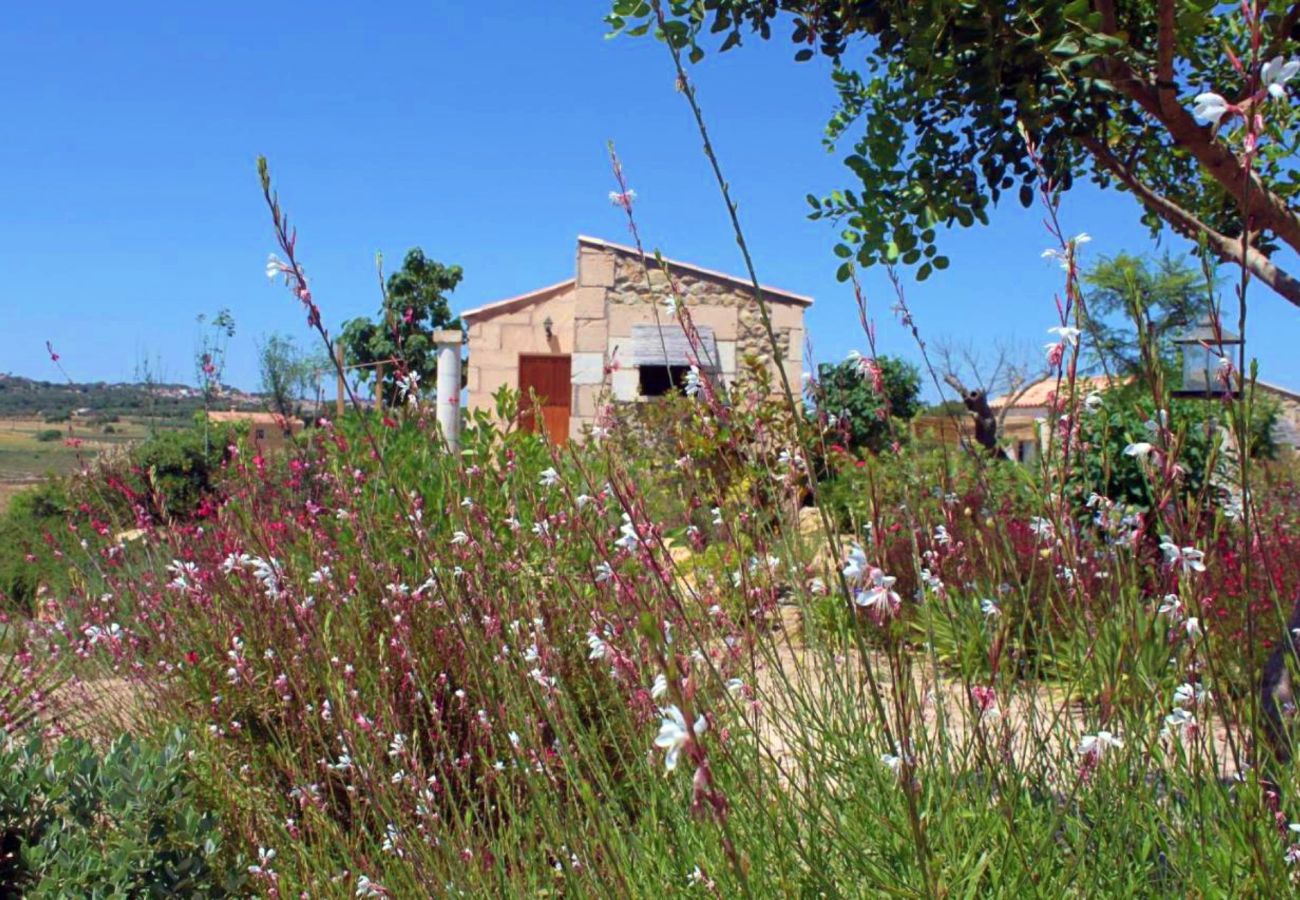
{"x":604,"y":572}
{"x":263,"y":866}
{"x":459,"y":537}
{"x":717,"y":515}
{"x":693,"y":381}
{"x":856,"y":565}
{"x":274,"y":266}
{"x":1094,"y":745}
{"x":1189,"y":694}
{"x":1139,"y":450}
{"x":734,"y":685}
{"x":879,"y":594}
{"x":942,"y":537}
{"x":990,"y":609}
{"x":623,"y":199}
{"x":1092,"y":402}
{"x":1179,"y":721}
{"x":1210,"y":107}
{"x":1276,"y":73}
{"x":628,"y":537}
{"x":893,"y":761}
{"x":1193,"y":628}
{"x":408,"y":384}
{"x":1189,"y":558}
{"x":549,"y":478}
{"x":673,"y":734}
{"x":1067,"y":333}
{"x":660,"y":687}
{"x":368,"y":888}
{"x":1041,"y":527}
{"x":1170,"y":606}
{"x":599,"y":649}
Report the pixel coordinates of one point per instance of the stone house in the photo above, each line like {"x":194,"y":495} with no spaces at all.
{"x":606,"y":335}
{"x":268,"y":431}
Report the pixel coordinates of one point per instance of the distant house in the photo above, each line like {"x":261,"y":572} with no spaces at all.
{"x":270,"y":431}
{"x":1024,"y":416}
{"x":606,"y":333}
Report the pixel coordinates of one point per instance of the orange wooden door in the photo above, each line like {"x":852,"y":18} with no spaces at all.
{"x":549,"y":378}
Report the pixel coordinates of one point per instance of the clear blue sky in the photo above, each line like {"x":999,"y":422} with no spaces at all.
{"x":129,"y":200}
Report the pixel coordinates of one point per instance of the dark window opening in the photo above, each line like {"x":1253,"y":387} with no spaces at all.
{"x":259,"y":434}
{"x":656,"y":381}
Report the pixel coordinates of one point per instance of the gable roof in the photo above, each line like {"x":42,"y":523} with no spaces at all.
{"x":774,"y":292}
{"x":519,"y":300}
{"x":499,"y":306}
{"x":1040,"y":393}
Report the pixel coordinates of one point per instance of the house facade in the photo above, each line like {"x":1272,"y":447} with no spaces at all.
{"x":607,"y":335}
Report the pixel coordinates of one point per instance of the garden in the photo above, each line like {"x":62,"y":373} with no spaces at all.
{"x":754,"y":639}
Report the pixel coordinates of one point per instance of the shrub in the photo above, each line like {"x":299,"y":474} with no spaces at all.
{"x":863,"y":395}
{"x":56,"y":417}
{"x":126,"y":823}
{"x":48,"y":435}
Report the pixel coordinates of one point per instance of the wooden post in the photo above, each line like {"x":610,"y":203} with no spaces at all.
{"x":342,"y":386}
{"x":378,"y":395}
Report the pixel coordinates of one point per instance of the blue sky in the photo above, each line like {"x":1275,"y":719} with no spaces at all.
{"x":129,"y":200}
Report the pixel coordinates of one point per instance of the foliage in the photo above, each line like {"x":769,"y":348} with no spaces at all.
{"x":48,"y":435}
{"x":415,"y":304}
{"x":176,"y":470}
{"x":1197,"y":433}
{"x":1165,"y":297}
{"x":947,"y":88}
{"x":863,"y":401}
{"x":125,"y":823}
{"x":30,"y":529}
{"x":287,"y":374}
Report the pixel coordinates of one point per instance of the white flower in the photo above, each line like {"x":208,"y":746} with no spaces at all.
{"x":459,"y":537}
{"x":893,"y":761}
{"x":263,"y":867}
{"x":717,"y":515}
{"x":1041,"y":527}
{"x":879,"y":593}
{"x":582,"y":500}
{"x":856,"y":565}
{"x":673,"y":734}
{"x":1189,"y":694}
{"x":693,"y":381}
{"x":1193,"y":628}
{"x":549,"y":478}
{"x":735,"y":684}
{"x":942,"y":537}
{"x":1139,"y":450}
{"x":408,"y":384}
{"x":1092,"y":402}
{"x":1067,"y":333}
{"x":1171,"y":606}
{"x":1209,"y":108}
{"x":629,"y":538}
{"x":1276,"y":73}
{"x":604,"y":572}
{"x":599,"y":649}
{"x":623,"y":198}
{"x":1189,"y":558}
{"x":990,"y":608}
{"x":274,"y":266}
{"x":1099,"y":743}
{"x":660,"y":687}
{"x":368,"y":888}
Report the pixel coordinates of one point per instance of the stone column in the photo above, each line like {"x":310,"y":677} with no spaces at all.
{"x":448,"y":343}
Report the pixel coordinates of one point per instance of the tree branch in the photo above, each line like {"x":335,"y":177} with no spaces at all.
{"x":1269,"y":211}
{"x":1226,"y":248}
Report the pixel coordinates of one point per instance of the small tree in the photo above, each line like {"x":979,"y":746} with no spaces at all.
{"x":862,"y":395}
{"x":415,"y":305}
{"x":286,"y":374}
{"x":1164,"y":297}
{"x":210,"y":358}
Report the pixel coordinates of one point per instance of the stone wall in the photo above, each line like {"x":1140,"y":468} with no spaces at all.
{"x":594,"y":318}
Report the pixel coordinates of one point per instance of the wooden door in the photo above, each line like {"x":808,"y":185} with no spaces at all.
{"x":549,"y":378}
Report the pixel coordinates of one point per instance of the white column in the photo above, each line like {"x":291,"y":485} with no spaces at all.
{"x":448,"y":343}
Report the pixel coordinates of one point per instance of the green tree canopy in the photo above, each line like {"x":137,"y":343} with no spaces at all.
{"x":937,"y":94}
{"x":1126,"y":292}
{"x":415,"y":305}
{"x":848,"y":392}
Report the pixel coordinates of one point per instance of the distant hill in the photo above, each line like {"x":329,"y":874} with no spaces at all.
{"x":28,"y":397}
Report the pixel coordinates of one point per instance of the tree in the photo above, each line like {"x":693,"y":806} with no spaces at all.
{"x":953,"y":94}
{"x":415,"y":305}
{"x":1128,"y":292}
{"x":1010,"y":373}
{"x":855,"y":391}
{"x":286,"y":372}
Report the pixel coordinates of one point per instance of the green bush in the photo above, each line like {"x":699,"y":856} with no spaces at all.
{"x":48,"y":435}
{"x":124,"y":824}
{"x":26,"y":557}
{"x":55,"y":417}
{"x":847,"y":392}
